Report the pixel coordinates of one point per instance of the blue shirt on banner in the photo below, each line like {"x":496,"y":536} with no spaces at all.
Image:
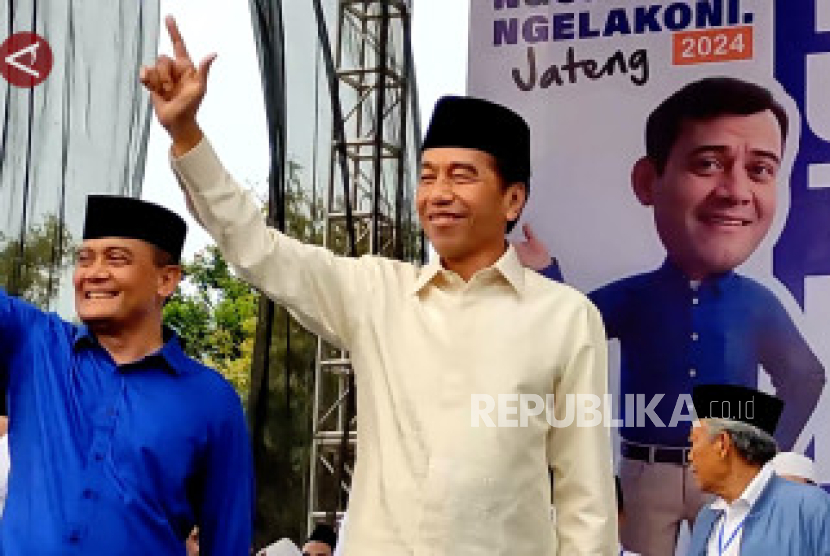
{"x":674,"y":334}
{"x":118,"y":459}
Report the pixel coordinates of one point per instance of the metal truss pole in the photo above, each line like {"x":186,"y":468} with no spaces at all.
{"x":373,"y":68}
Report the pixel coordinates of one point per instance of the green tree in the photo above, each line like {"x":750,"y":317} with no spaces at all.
{"x":215,"y":315}
{"x":33,"y":270}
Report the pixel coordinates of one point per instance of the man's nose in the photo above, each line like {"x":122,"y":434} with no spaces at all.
{"x":735,"y":186}
{"x":97,"y":270}
{"x":441,"y":191}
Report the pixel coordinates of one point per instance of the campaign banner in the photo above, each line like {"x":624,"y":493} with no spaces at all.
{"x":710,"y":264}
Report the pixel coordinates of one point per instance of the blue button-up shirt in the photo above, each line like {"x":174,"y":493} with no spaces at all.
{"x":674,"y":334}
{"x":117,"y":459}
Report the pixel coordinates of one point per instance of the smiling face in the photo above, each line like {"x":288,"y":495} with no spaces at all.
{"x":119,"y":282}
{"x":463,"y":204}
{"x":715,"y":199}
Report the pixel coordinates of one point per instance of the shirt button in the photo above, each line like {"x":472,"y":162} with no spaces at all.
{"x":75,"y":537}
{"x":692,"y":373}
{"x":98,"y":456}
{"x":695,"y":300}
{"x":87,"y":494}
{"x":694,"y":336}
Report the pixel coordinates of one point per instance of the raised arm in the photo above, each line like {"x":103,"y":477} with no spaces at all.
{"x":17,"y":319}
{"x":177,"y":88}
{"x":322,"y":290}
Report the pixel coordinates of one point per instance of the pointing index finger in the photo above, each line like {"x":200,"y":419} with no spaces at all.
{"x":179,"y":49}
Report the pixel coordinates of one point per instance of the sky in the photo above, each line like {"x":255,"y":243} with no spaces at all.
{"x":232,"y":114}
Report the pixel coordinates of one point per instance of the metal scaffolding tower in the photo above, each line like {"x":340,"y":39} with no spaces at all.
{"x":368,"y":207}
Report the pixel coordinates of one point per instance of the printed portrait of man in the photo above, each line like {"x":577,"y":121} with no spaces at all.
{"x":710,"y":177}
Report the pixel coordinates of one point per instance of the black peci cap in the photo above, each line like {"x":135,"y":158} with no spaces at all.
{"x":474,"y":123}
{"x":737,"y":403}
{"x":112,"y":216}
{"x":325,"y":534}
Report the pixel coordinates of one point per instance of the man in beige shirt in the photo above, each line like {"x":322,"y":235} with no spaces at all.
{"x":430,"y":479}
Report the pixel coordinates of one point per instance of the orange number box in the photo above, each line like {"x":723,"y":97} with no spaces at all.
{"x":712,"y":45}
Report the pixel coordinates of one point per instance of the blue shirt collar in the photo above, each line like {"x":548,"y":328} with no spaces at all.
{"x":171,"y":352}
{"x":716,"y":282}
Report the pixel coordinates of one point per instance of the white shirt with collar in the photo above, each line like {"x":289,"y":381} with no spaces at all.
{"x":431,"y":478}
{"x":732,"y":520}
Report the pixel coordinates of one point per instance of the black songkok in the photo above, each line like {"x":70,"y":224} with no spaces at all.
{"x":111,"y":216}
{"x":473,"y":123}
{"x":737,"y":403}
{"x":325,"y":534}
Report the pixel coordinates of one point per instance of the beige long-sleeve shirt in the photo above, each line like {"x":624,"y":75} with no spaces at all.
{"x":423,"y":342}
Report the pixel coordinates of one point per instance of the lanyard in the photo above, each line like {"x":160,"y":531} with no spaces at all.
{"x":723,"y":547}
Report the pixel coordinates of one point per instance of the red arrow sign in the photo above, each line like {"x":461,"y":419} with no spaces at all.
{"x":25,"y":59}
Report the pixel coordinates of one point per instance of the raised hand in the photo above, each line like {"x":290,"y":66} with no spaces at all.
{"x":177,"y":88}
{"x":532,"y":252}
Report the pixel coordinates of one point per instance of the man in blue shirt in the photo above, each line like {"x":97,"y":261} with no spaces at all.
{"x":713,"y":151}
{"x":120,"y":443}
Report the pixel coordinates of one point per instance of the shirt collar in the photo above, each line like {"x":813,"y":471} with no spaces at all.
{"x":716,"y":282}
{"x":752,"y":491}
{"x":426,"y":274}
{"x":170,"y":352}
{"x":508,"y":266}
{"x":82,"y":335}
{"x":511,"y":269}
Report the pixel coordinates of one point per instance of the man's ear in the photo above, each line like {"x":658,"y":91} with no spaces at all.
{"x":169,"y":278}
{"x":725,"y":442}
{"x":643,"y":178}
{"x":515,"y":197}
